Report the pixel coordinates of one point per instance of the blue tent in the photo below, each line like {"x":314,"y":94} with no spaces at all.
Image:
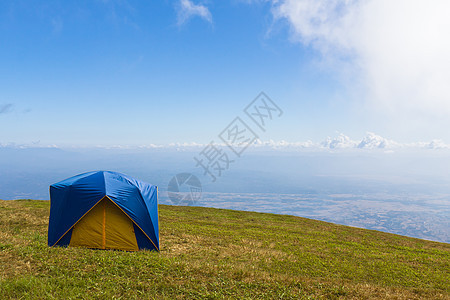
{"x":104,"y":210}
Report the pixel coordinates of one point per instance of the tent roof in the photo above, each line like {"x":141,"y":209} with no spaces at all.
{"x":72,"y":198}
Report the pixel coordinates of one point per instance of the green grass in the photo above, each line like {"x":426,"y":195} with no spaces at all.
{"x":215,"y":254}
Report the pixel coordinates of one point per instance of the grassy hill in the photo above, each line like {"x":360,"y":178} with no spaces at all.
{"x":213,"y":253}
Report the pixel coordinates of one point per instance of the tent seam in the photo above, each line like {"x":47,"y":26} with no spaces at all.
{"x":134,"y":222}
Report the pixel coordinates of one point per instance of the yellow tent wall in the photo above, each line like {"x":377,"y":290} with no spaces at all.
{"x":105,"y":226}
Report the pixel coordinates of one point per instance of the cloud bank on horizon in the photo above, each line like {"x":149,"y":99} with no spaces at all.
{"x":397,"y":50}
{"x":370,"y":141}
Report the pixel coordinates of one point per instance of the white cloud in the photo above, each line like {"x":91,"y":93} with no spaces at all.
{"x":437,"y":144}
{"x":187,"y":9}
{"x":373,"y":141}
{"x":396,"y":52}
{"x":369,"y":141}
{"x":340,"y":142}
{"x":278,"y":145}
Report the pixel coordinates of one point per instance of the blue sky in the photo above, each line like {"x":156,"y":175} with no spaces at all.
{"x":351,"y":77}
{"x":90,"y":73}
